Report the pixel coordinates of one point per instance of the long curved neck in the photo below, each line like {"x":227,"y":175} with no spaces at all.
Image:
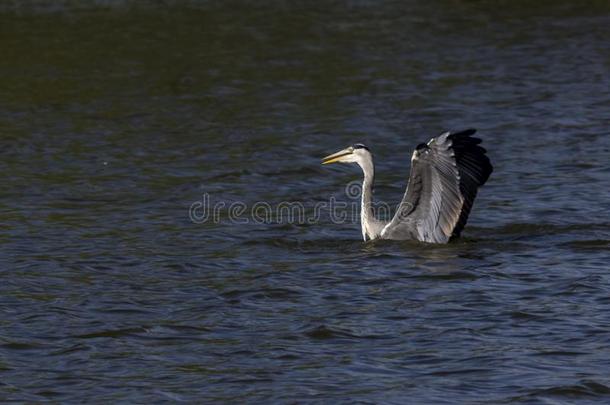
{"x":368,"y":222}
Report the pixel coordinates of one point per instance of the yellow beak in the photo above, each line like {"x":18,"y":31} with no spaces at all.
{"x":336,"y":157}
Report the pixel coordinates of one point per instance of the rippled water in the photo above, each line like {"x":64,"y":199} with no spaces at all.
{"x":115,"y":117}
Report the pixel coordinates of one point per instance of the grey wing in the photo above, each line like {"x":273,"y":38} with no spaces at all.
{"x":445,"y":176}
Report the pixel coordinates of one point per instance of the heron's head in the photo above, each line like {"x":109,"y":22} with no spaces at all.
{"x":354,"y":154}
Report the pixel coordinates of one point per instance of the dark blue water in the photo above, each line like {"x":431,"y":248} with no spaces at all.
{"x":115,"y":117}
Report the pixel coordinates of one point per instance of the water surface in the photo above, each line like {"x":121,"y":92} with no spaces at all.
{"x":115,"y":117}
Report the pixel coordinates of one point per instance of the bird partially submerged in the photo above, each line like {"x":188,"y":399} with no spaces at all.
{"x":445,"y":175}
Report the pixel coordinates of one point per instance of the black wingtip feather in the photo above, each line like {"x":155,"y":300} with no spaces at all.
{"x":470,"y":157}
{"x":474,"y":167}
{"x":466,"y":132}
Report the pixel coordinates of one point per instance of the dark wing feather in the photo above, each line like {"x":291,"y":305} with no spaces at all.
{"x":445,"y":176}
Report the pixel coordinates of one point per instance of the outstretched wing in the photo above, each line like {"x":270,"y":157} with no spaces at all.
{"x":445,"y":176}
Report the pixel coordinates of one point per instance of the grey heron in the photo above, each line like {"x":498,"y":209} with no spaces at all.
{"x":445,"y":175}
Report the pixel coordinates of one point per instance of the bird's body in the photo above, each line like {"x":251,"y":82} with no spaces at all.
{"x":445,"y":176}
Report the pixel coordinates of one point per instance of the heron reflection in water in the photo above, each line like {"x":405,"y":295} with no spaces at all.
{"x":446,"y":174}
